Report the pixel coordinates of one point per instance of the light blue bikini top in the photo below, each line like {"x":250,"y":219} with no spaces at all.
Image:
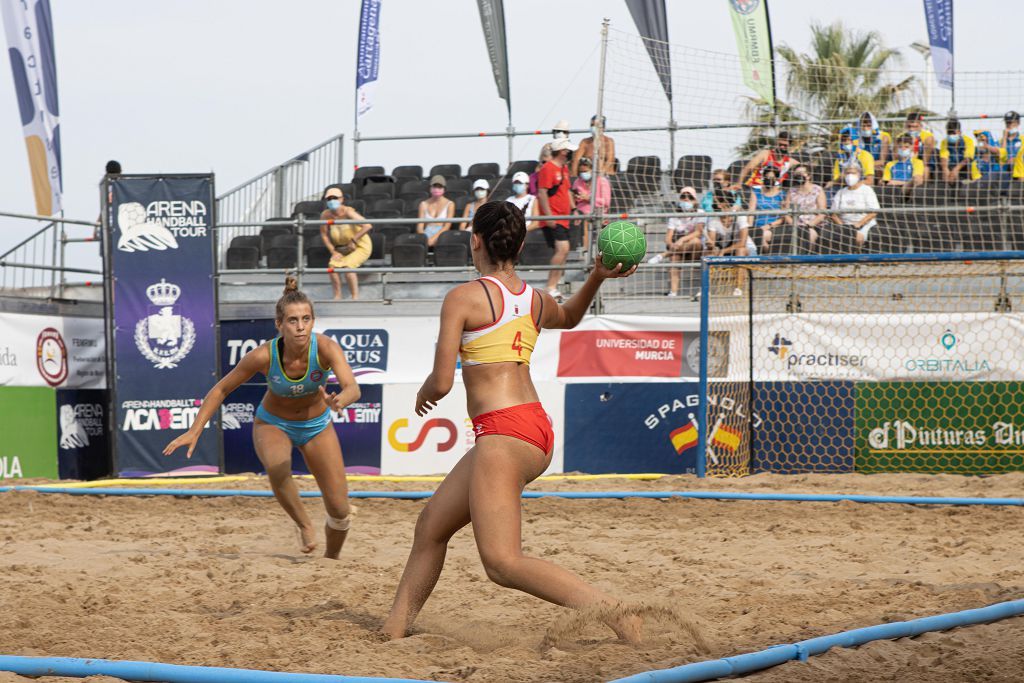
{"x":284,"y":386}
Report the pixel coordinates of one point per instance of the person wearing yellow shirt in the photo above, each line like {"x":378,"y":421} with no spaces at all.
{"x":924,"y":141}
{"x":1010,"y":143}
{"x":956,"y":155}
{"x":877,"y":142}
{"x":850,"y":153}
{"x":1018,"y":165}
{"x":906,"y":169}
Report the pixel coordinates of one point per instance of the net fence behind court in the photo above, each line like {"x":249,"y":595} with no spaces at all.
{"x":871,"y":367}
{"x":720,"y":124}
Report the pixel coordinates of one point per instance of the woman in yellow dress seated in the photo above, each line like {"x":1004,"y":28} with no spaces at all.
{"x":349,"y":243}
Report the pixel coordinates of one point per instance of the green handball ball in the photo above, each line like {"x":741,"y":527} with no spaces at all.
{"x":622,"y":242}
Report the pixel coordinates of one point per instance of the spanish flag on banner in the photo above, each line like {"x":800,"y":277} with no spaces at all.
{"x":727,"y":437}
{"x":684,"y":438}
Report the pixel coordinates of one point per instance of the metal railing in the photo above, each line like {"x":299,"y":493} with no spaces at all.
{"x":274,"y":192}
{"x":36,"y":266}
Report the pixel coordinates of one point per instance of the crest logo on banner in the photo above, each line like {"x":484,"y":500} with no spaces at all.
{"x":138,"y":233}
{"x":164,"y":338}
{"x":51,"y":357}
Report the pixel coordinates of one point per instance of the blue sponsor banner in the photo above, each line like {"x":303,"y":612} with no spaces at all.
{"x":803,"y":427}
{"x":366,"y":349}
{"x":358,"y":428}
{"x":161,"y":259}
{"x":82,"y":436}
{"x":367,"y":56}
{"x":631,"y":427}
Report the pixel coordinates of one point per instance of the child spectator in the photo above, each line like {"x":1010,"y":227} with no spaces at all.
{"x":956,"y":155}
{"x":684,"y":239}
{"x":906,"y":168}
{"x":435,"y":210}
{"x":480,"y":188}
{"x":849,"y":153}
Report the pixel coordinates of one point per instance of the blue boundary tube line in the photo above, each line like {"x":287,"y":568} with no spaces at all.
{"x":779,"y":654}
{"x":170,"y":673}
{"x":576,"y":495}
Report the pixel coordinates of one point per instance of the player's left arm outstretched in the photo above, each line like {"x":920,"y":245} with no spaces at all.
{"x":453,"y":319}
{"x":330,"y":351}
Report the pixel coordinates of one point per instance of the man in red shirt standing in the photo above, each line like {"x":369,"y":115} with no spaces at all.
{"x":554,"y":199}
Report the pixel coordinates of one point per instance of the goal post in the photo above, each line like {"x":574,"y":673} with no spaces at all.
{"x":862,"y":363}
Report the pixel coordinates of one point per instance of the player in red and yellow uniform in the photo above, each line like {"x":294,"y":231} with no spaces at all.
{"x":493,"y":323}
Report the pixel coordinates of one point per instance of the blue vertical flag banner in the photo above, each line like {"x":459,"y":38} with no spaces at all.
{"x":652,"y":22}
{"x":367,"y":56}
{"x":939,"y":15}
{"x":161,"y":247}
{"x":29,"y":30}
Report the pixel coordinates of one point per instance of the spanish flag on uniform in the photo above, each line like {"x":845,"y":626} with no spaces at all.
{"x":684,"y":438}
{"x":727,"y":437}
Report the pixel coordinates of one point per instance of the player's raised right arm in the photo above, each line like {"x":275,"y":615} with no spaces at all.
{"x":257,"y":360}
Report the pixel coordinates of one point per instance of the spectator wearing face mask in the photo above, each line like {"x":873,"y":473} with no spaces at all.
{"x":768,"y":197}
{"x":480,"y":191}
{"x":859,"y":206}
{"x":776,"y":157}
{"x":587,"y":145}
{"x":521,"y":197}
{"x":924,"y":141}
{"x":872,"y":140}
{"x":806,"y":197}
{"x":435,"y":211}
{"x":849,"y":153}
{"x":727,"y":233}
{"x":684,"y":238}
{"x":989,"y":155}
{"x":906,"y":168}
{"x":581,"y":193}
{"x":1010,"y":142}
{"x":554,"y":199}
{"x":349,"y":244}
{"x":957,"y":154}
{"x":719,"y":179}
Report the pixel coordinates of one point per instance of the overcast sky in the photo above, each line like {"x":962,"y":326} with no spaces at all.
{"x":235,"y":86}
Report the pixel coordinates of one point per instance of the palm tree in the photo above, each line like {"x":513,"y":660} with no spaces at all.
{"x":844,"y":75}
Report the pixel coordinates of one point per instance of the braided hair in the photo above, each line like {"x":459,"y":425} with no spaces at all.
{"x":502,"y":228}
{"x":292,"y":295}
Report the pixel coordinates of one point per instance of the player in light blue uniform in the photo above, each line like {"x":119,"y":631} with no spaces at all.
{"x":294,"y":413}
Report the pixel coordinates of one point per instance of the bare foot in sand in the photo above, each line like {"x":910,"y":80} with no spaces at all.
{"x":628,"y":627}
{"x":307,"y":539}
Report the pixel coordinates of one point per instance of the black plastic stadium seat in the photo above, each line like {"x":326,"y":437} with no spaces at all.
{"x":310,"y":208}
{"x":246,"y":241}
{"x":282,"y":257}
{"x":409,"y":256}
{"x":286,"y":240}
{"x":452,"y":248}
{"x":447,"y":170}
{"x":380,"y":205}
{"x":527,"y":166}
{"x":268,"y":233}
{"x":484,"y":169}
{"x":460,"y":185}
{"x":408,"y":171}
{"x":411,"y":238}
{"x":317,"y":257}
{"x":373,"y":191}
{"x":736,"y":167}
{"x":692,"y":170}
{"x":379,"y":246}
{"x":389,"y":232}
{"x":364,"y":172}
{"x":417,"y":186}
{"x":536,"y":251}
{"x":357,"y":205}
{"x":243,"y":257}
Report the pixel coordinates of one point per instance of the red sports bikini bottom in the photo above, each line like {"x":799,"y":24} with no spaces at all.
{"x":527,"y":422}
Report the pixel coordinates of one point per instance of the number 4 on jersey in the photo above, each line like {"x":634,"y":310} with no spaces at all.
{"x":517,"y":343}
